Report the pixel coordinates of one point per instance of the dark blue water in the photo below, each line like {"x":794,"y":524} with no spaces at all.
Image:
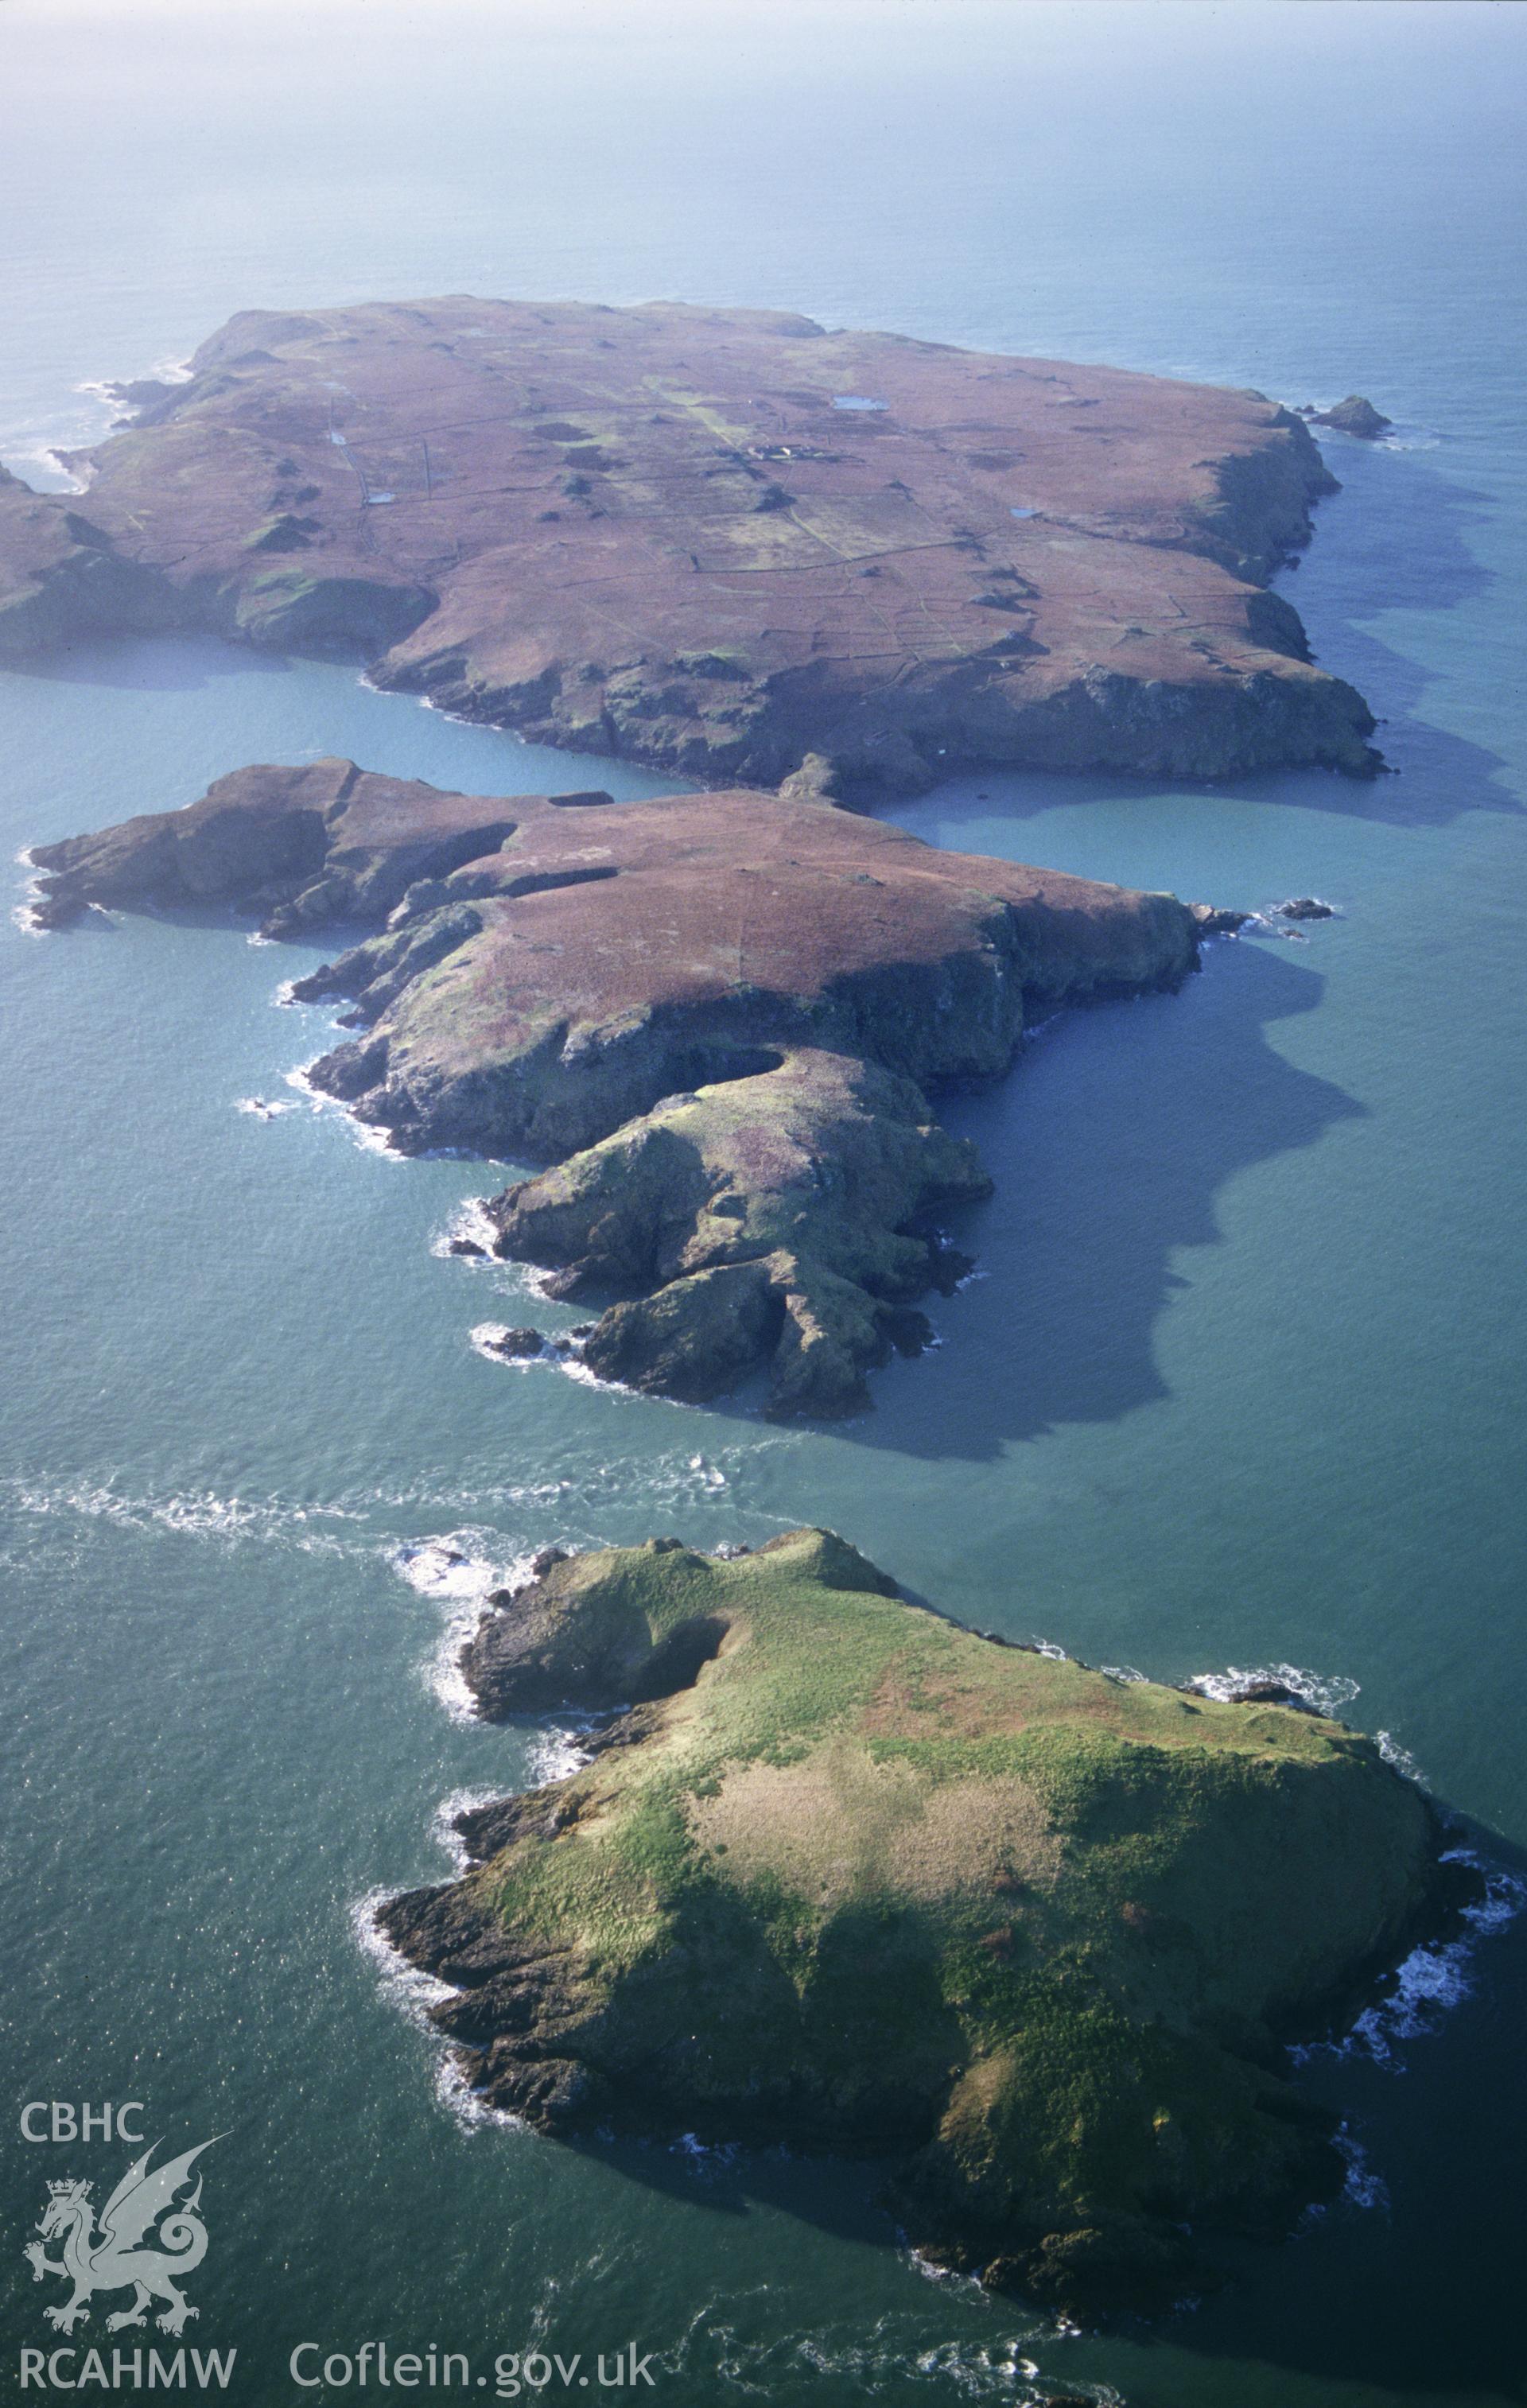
{"x":1242,"y":1380}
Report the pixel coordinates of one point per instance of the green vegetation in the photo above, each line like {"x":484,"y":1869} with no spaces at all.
{"x":772,"y":1220}
{"x":719,"y":1015}
{"x":872,"y":1881}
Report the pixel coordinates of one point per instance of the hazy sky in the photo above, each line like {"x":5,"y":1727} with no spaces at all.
{"x":167,"y":161}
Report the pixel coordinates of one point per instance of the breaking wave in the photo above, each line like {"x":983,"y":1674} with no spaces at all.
{"x":1392,"y":1752}
{"x":1440,"y":1974}
{"x":197,"y":1513}
{"x":413,"y":1993}
{"x":560,"y":1751}
{"x":1433,"y":1979}
{"x":1363,"y":2187}
{"x":458,"y":1572}
{"x":485,"y":1338}
{"x":1329,"y":1694}
{"x":893,"y":2360}
{"x":470,"y":1223}
{"x":442,"y":1828}
{"x":370,"y":1140}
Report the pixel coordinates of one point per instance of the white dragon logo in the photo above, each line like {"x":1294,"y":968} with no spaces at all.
{"x":113,"y":2259}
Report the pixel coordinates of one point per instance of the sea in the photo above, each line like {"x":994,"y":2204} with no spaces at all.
{"x":1238,"y":1383}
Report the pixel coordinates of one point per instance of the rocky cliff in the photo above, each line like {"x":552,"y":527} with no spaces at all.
{"x":846,"y":1875}
{"x":718,"y":1015}
{"x":715,"y":540}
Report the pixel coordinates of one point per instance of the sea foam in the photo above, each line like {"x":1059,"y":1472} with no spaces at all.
{"x":370,"y":1140}
{"x":1328,"y":1692}
{"x":470,"y":1220}
{"x":1433,"y":1979}
{"x":413,"y":1993}
{"x":459,"y":1573}
{"x":195,"y":1513}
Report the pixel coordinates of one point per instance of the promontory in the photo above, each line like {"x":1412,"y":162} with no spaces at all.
{"x":717,"y":540}
{"x":717,"y":1014}
{"x":845,"y":1874}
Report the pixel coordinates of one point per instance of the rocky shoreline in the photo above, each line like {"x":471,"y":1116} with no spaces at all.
{"x":836,"y":1870}
{"x":840,"y":1873}
{"x":658,"y":533}
{"x":718,"y":1015}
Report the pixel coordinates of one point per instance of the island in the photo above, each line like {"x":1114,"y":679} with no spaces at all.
{"x":834,"y":1872}
{"x":717,"y":1015}
{"x":843,"y":1874}
{"x":720,"y":541}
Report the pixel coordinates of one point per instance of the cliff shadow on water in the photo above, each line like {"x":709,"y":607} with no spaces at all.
{"x":1433,"y":2217}
{"x":1108,"y":1145}
{"x":1397,"y":541}
{"x":1442,"y":2087}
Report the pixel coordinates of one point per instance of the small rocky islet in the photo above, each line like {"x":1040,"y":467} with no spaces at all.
{"x":1356,"y":415}
{"x":841,"y":1874}
{"x":837,"y":1871}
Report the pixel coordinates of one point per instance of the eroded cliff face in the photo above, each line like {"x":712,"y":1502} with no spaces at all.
{"x":717,"y":1014}
{"x":717,"y":540}
{"x":609,"y":956}
{"x":782,"y":1222}
{"x":846,"y":1875}
{"x":298,"y":849}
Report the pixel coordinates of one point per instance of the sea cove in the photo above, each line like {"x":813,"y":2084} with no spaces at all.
{"x":1300,"y":1455}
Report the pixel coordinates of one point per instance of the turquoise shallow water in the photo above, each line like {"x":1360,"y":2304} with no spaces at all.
{"x":1241,"y":1380}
